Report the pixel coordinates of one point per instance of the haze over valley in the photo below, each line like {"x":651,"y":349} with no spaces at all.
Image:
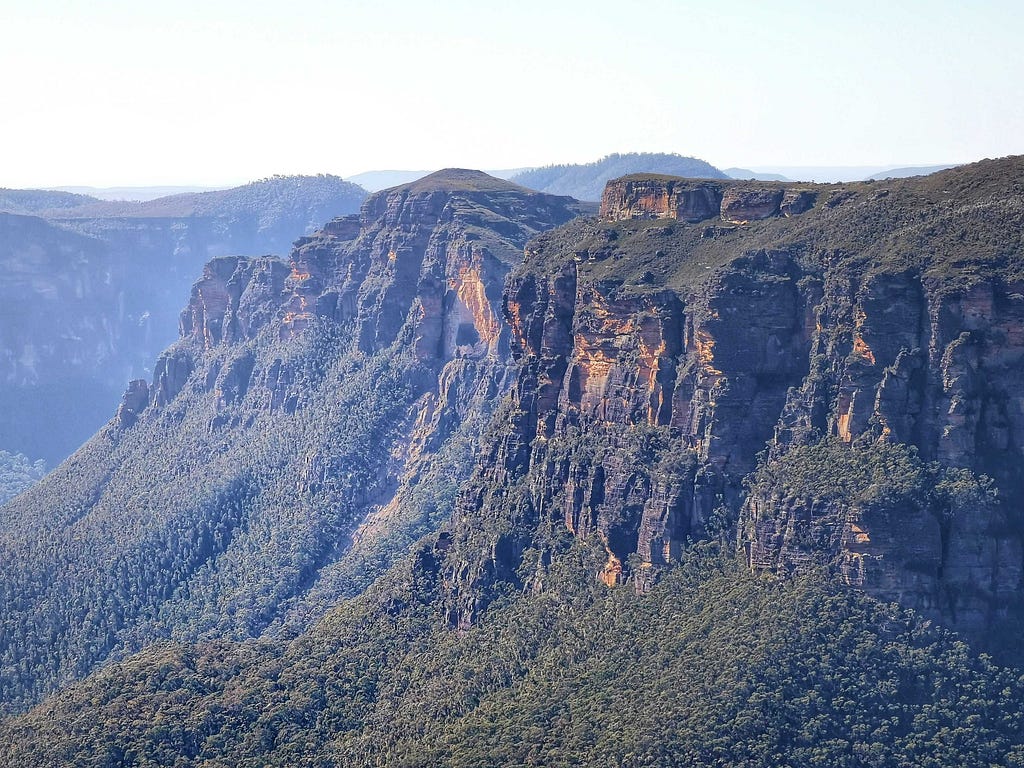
{"x":702,"y":455}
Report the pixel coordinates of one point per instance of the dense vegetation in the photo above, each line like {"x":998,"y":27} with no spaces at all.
{"x":91,"y":295}
{"x":586,"y":182}
{"x":873,"y":473}
{"x":35,"y":201}
{"x":214,"y":519}
{"x":17,"y":473}
{"x":221,"y":541}
{"x":304,"y":202}
{"x":712,"y":667}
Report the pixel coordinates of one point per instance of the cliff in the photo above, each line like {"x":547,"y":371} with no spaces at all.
{"x":312,"y":421}
{"x":716,"y":443}
{"x":93,"y":290}
{"x":663,"y":359}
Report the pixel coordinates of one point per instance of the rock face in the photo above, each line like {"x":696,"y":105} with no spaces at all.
{"x":636,"y":417}
{"x":934,"y":366}
{"x":659,"y":197}
{"x":642,"y":403}
{"x":312,"y":421}
{"x":92,"y":290}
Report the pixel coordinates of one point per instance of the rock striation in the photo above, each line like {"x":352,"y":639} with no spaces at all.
{"x":660,"y":368}
{"x":310,"y":424}
{"x":643,"y":196}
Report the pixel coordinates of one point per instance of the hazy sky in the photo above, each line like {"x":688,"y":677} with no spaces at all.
{"x":105,"y":92}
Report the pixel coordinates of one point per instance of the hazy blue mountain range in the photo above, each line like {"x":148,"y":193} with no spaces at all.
{"x":90,"y":290}
{"x":478,"y":477}
{"x":902,"y":173}
{"x":586,"y":181}
{"x":835,"y":173}
{"x":744,"y":173}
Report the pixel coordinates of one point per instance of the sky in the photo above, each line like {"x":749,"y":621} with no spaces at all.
{"x":208,"y":92}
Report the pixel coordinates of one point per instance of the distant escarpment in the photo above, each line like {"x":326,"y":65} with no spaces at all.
{"x":685,"y":448}
{"x":314,"y":418}
{"x":689,"y":356}
{"x":587,"y":181}
{"x":91,"y":290}
{"x":658,"y":197}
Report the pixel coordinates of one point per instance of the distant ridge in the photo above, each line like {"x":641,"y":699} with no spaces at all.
{"x":137,"y":194}
{"x":746,"y":174}
{"x":375,"y":181}
{"x":904,"y":173}
{"x":586,"y":182}
{"x":279,"y":192}
{"x":28,"y":202}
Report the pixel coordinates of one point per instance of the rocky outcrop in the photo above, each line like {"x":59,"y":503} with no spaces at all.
{"x":233,"y":300}
{"x":93,"y":290}
{"x":644,"y":196}
{"x":740,"y":206}
{"x":639,"y":409}
{"x":134,"y":402}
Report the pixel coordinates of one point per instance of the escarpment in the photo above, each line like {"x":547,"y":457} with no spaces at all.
{"x":661,"y":367}
{"x":643,"y":196}
{"x":92,"y":291}
{"x":312,"y":421}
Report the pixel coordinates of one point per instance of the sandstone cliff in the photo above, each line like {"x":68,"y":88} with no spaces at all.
{"x":92,"y":290}
{"x":312,"y":421}
{"x":663,"y":359}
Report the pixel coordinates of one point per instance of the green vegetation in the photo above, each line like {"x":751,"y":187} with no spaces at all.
{"x":871,"y":472}
{"x":586,"y":182}
{"x":215,"y":519}
{"x":18,"y":473}
{"x":712,"y":667}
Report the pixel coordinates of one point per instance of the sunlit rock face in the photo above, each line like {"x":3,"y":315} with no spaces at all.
{"x":663,"y":359}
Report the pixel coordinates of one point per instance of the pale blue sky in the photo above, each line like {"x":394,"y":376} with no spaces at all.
{"x":109,"y":92}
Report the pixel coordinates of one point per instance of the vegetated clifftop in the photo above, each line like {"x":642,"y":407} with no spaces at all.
{"x":682,"y":372}
{"x":315,"y":418}
{"x":699,"y":331}
{"x":587,"y":181}
{"x":92,"y":289}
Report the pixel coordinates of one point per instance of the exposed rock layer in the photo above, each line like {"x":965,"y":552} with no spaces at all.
{"x":639,"y":409}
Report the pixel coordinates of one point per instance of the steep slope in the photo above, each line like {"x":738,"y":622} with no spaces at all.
{"x":314,"y":419}
{"x":586,"y":182}
{"x":91,"y":296}
{"x":696,"y":325}
{"x":712,"y":667}
{"x":704,"y":360}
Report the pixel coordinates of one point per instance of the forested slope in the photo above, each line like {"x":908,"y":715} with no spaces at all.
{"x":753,"y":456}
{"x":313,"y":420}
